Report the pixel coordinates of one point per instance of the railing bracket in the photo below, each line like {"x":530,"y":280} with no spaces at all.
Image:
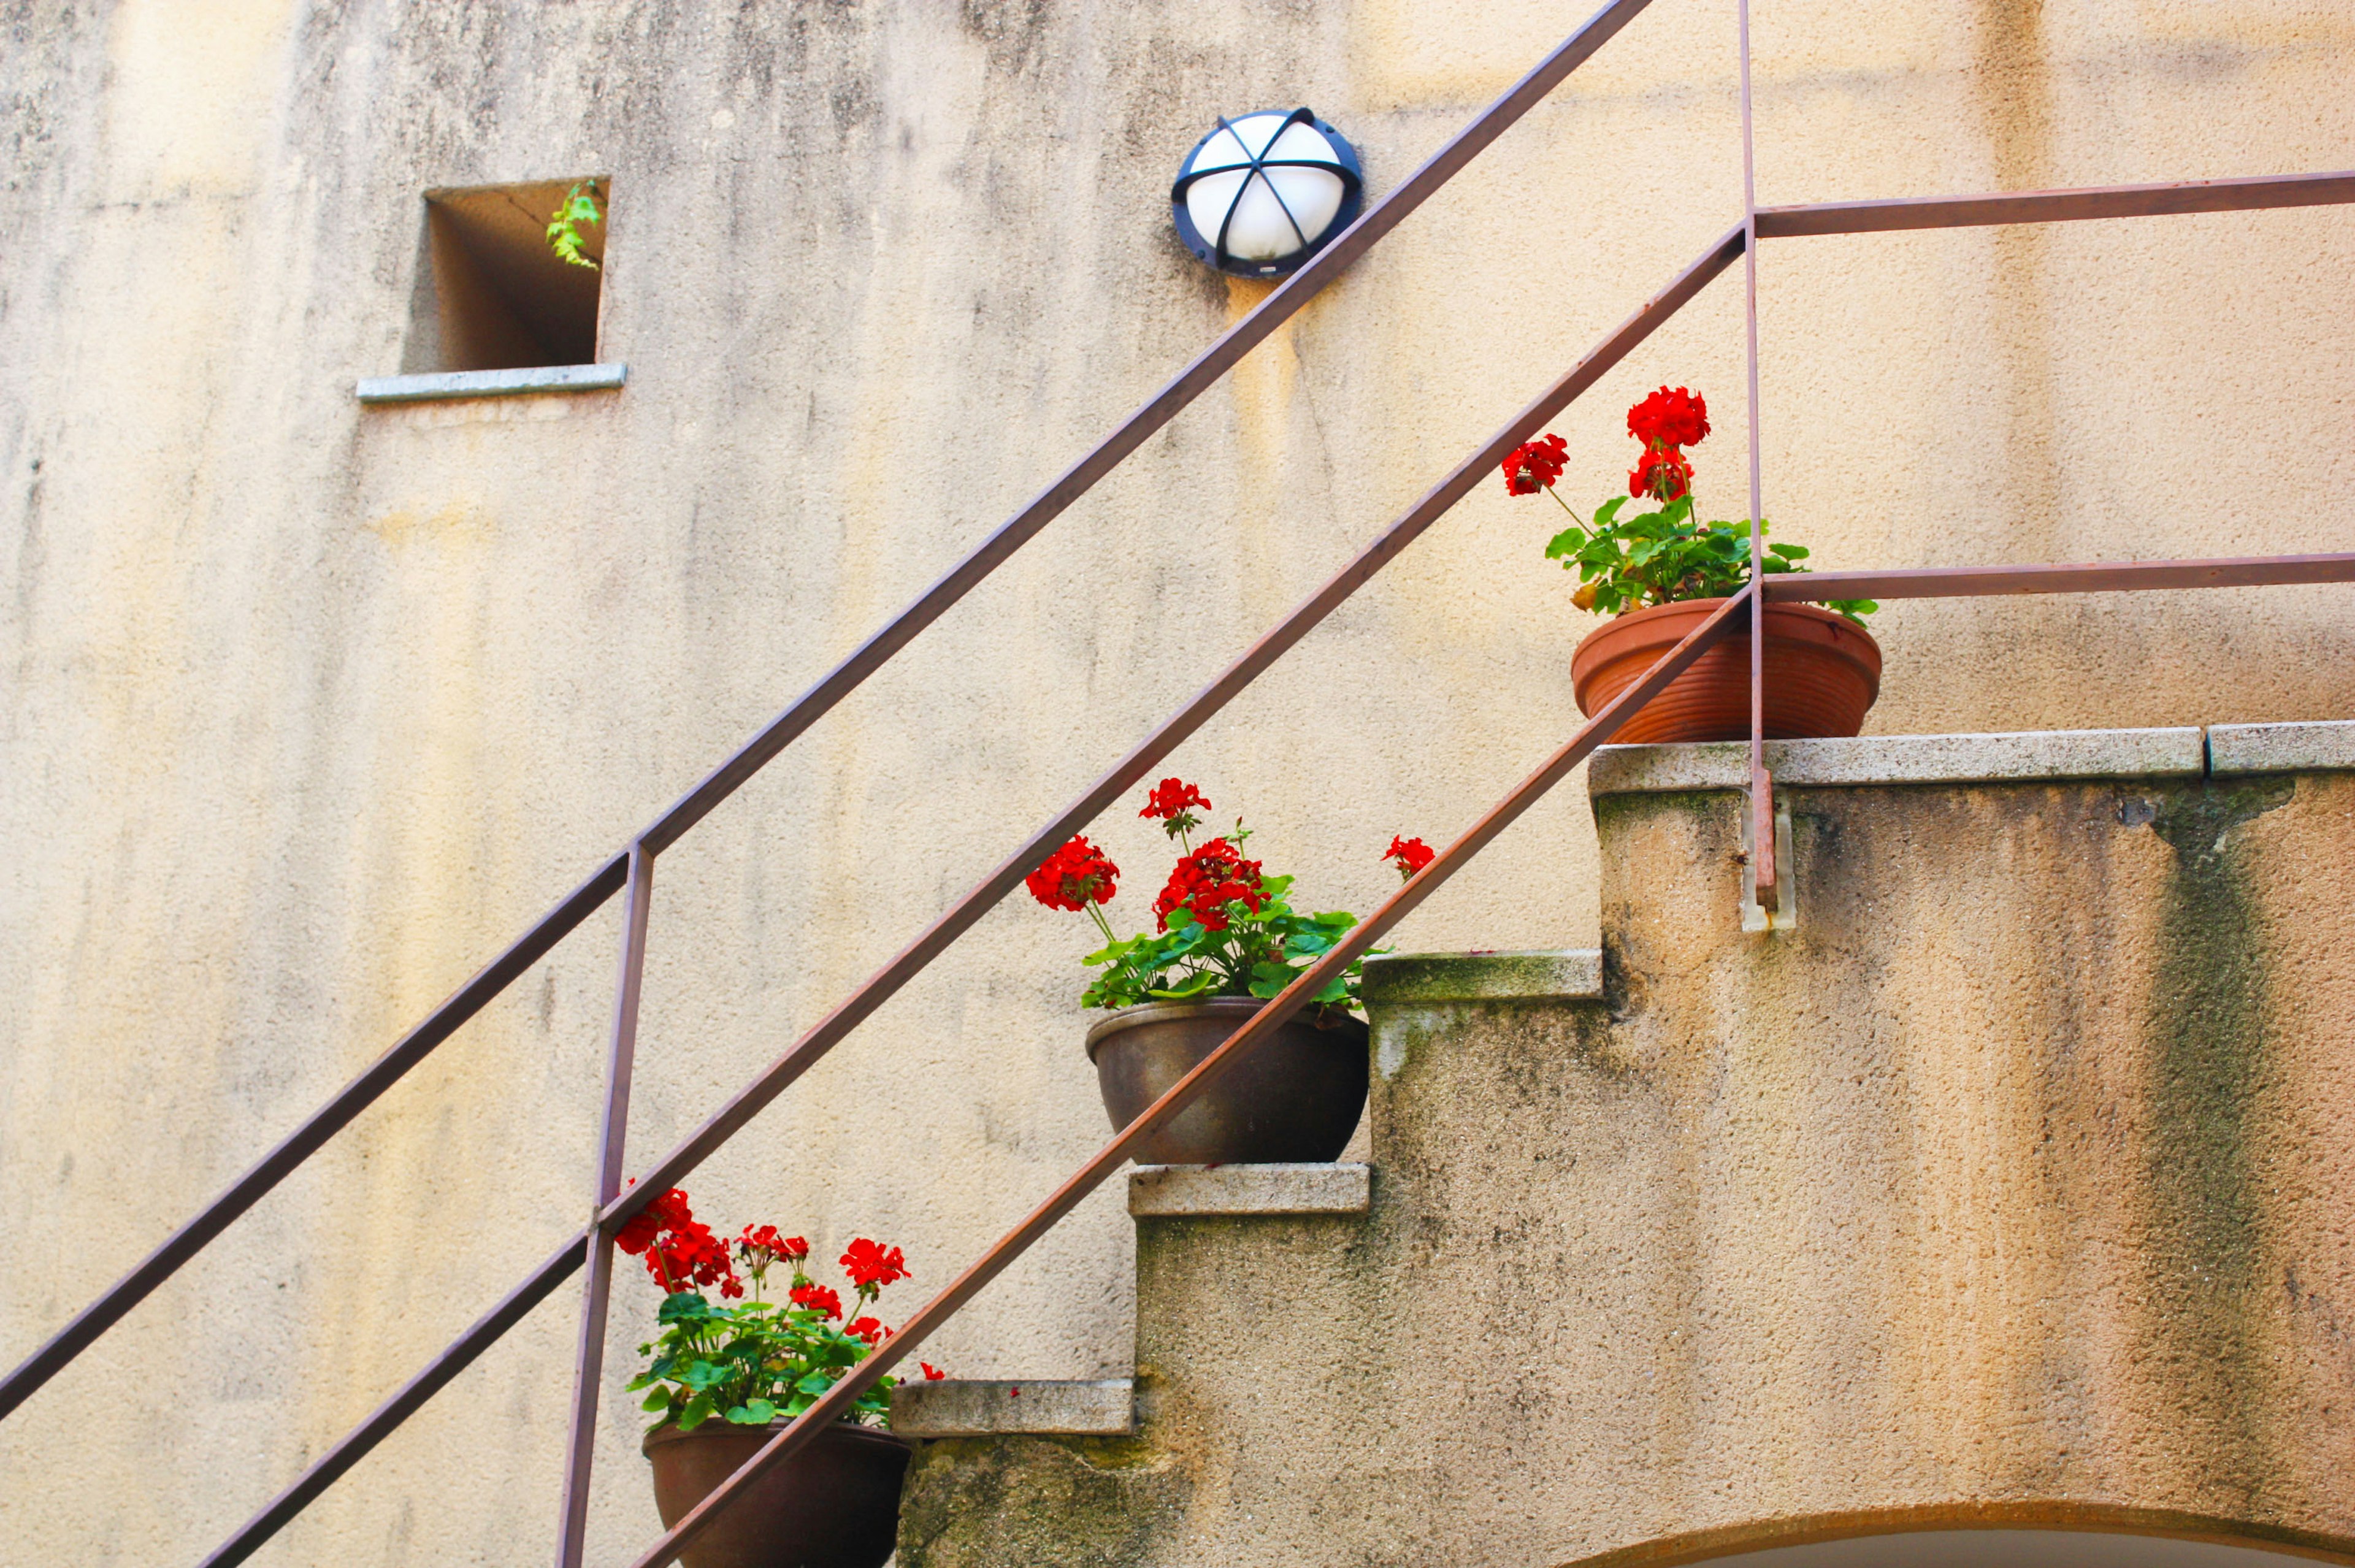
{"x":1784,"y":895}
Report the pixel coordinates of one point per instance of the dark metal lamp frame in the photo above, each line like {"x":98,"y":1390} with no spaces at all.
{"x":1343,"y":164}
{"x":631,"y":869}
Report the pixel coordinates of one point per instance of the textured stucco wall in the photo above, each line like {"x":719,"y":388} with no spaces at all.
{"x":2014,"y":1177}
{"x":307,"y":707}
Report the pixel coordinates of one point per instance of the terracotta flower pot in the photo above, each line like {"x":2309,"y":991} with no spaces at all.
{"x":1823,"y":671}
{"x":835,"y":1504}
{"x":1296,"y":1097}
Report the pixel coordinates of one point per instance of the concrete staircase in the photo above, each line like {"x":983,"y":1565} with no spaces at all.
{"x":2005,"y":1197}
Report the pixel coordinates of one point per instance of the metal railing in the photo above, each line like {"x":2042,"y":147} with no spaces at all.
{"x":631,"y":870}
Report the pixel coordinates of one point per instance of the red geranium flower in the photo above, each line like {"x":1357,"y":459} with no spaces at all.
{"x":1534,"y":466}
{"x":1171,"y":797}
{"x":1408,"y":855}
{"x":762,"y":1248}
{"x":1207,"y":881}
{"x":1667,"y":418}
{"x":933,"y":1374}
{"x":688,"y":1256}
{"x":1662,"y":474}
{"x":866,"y":1329}
{"x":1074,"y":876}
{"x":818,"y":1299}
{"x":640,"y":1231}
{"x":870,"y":1265}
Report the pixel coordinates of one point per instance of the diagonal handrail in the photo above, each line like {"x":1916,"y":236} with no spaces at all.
{"x":1900,"y":584}
{"x":960,"y":917}
{"x":1205,"y":371}
{"x":805,"y":1052}
{"x":837,"y":1401}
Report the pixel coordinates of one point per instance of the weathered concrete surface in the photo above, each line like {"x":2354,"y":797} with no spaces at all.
{"x":2015,"y":1179}
{"x":1340,"y":1188}
{"x":307,"y":707}
{"x":1483,"y":977}
{"x":2176,"y":752}
{"x":2281,"y":748}
{"x":972,"y":1407}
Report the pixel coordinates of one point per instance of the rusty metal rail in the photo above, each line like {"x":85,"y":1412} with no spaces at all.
{"x":592,"y":1247}
{"x":470,"y":999}
{"x":1732,"y":617}
{"x":828,"y":1031}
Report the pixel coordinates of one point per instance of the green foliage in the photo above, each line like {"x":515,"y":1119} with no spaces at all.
{"x":1666,"y":556}
{"x":1256,"y":954}
{"x":749,"y":1364}
{"x":564,"y":224}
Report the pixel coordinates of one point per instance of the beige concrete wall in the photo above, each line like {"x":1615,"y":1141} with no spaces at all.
{"x":2009,"y":1187}
{"x":310,"y":707}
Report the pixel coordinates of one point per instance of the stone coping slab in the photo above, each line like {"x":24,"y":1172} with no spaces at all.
{"x":490,"y":383}
{"x":2322,"y":747}
{"x":959,"y":1407}
{"x":1187,"y":1190}
{"x":1570,"y":973}
{"x":1864,"y":759}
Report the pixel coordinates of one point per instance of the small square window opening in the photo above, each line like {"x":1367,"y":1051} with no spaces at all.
{"x":492,"y":294}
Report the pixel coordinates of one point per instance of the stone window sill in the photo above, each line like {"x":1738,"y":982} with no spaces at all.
{"x":490,"y":383}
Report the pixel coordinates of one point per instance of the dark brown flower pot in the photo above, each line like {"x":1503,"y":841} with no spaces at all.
{"x":1822,"y":672}
{"x":835,"y":1504}
{"x":1296,"y":1097}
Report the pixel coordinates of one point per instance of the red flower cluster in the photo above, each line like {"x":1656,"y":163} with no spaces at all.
{"x":680,"y":1251}
{"x":1666,"y":422}
{"x":1408,"y":855}
{"x":761,"y":1249}
{"x":1671,"y":418}
{"x":866,"y":1329}
{"x":1534,"y":466}
{"x":818,"y":1299}
{"x":871,"y":1265}
{"x":1074,"y":876}
{"x":1171,"y":797}
{"x":1207,"y":881}
{"x":1662,"y":474}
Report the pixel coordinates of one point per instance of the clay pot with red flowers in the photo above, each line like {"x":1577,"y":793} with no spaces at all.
{"x":725,"y":1377}
{"x":1661,"y":572}
{"x":1226,"y":939}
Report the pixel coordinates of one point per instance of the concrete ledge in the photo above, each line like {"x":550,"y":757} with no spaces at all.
{"x":1169,"y":1189}
{"x":1863,"y":760}
{"x":1572,"y":974}
{"x":490,"y":383}
{"x":976,"y":1408}
{"x":2281,"y":748}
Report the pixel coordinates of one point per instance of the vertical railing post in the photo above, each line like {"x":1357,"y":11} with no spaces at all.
{"x":589,"y":1362}
{"x":1762,"y":788}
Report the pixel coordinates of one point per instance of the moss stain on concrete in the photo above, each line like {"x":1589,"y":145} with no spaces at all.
{"x":1036,"y":1500}
{"x":2207,"y":1059}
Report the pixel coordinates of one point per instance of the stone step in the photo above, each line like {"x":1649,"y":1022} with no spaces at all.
{"x":1169,"y":1190}
{"x":982,"y":1407}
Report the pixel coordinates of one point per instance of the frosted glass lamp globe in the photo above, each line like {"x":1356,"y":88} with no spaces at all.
{"x":1259,"y":195}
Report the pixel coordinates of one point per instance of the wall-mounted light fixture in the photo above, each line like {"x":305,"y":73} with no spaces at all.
{"x":1258,"y":196}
